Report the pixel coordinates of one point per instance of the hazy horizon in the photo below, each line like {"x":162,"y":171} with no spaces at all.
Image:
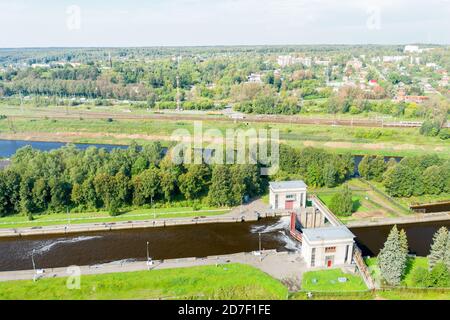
{"x":204,"y":23}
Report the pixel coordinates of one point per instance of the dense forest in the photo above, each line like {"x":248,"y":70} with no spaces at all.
{"x":95,"y":179}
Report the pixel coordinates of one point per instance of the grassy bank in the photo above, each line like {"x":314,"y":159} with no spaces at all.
{"x":385,"y":141}
{"x":21,"y":221}
{"x":232,"y":281}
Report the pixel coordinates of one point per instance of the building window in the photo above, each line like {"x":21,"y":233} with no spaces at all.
{"x":330,"y":249}
{"x":313,"y":257}
{"x":291,"y":197}
{"x":276,"y":201}
{"x":346,"y":254}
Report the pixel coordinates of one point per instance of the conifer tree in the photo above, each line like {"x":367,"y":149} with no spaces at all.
{"x":440,"y":248}
{"x":392,"y":258}
{"x":404,"y":242}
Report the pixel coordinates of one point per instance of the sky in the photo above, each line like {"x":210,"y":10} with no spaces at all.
{"x":129,"y":23}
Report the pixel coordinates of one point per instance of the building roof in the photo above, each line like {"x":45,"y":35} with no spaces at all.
{"x":281,"y":185}
{"x":327,"y":234}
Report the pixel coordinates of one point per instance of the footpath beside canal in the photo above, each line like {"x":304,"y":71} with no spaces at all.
{"x":284,"y":266}
{"x":253,"y":211}
{"x":413,"y":218}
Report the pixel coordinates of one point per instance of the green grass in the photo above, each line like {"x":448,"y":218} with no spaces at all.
{"x":362,"y":295}
{"x":231,"y":281}
{"x":327,"y":280}
{"x":21,"y":221}
{"x":400,"y":294}
{"x":393,"y":141}
{"x":358,"y":201}
{"x":412,"y":265}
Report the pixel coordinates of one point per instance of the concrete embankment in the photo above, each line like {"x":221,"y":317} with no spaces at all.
{"x":414,"y":218}
{"x":281,"y":265}
{"x":123,"y":225}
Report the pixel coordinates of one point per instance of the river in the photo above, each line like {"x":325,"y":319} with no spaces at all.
{"x":183,"y":241}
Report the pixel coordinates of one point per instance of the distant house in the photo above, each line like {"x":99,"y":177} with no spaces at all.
{"x":411,"y":49}
{"x":254,"y":78}
{"x":287,"y":195}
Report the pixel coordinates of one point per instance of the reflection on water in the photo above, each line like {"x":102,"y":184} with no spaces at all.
{"x":420,"y":235}
{"x":184,"y":241}
{"x":165,"y":243}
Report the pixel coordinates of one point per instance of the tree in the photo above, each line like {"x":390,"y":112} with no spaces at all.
{"x":194,"y":183}
{"x":146,"y":186}
{"x":392,"y":259}
{"x":377,"y":168}
{"x":403,"y":242}
{"x":439,"y":276}
{"x":433,"y":180}
{"x":170,"y":174}
{"x":341,"y":203}
{"x":220,"y":192}
{"x":364,"y":167}
{"x":400,"y":181}
{"x":440,"y":248}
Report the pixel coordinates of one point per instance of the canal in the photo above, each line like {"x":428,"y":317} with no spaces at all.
{"x":183,"y":241}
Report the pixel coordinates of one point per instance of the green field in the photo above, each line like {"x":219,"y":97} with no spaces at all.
{"x":231,"y":281}
{"x":21,"y":221}
{"x":327,"y":280}
{"x":386,"y":141}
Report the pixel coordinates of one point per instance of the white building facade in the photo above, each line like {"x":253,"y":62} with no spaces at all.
{"x":287,"y":195}
{"x":327,"y":247}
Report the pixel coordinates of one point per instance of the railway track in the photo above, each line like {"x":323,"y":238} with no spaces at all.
{"x":55,"y":114}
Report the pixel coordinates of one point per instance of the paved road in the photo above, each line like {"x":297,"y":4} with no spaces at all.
{"x":287,"y":267}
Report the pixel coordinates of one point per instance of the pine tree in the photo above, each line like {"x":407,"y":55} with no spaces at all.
{"x":392,"y":258}
{"x":440,"y":248}
{"x":404,"y":242}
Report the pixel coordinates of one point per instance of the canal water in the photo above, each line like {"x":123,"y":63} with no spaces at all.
{"x":183,"y":241}
{"x":9,"y":147}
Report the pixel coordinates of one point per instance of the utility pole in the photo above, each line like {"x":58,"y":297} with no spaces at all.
{"x":68,"y":214}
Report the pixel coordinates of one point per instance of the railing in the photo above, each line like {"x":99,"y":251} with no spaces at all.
{"x":362,"y":267}
{"x":296,"y":235}
{"x":330,"y":215}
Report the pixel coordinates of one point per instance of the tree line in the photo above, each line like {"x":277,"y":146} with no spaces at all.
{"x":95,"y":179}
{"x":412,"y":176}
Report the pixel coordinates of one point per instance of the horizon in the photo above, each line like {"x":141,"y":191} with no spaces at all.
{"x":193,"y":23}
{"x":232,"y":46}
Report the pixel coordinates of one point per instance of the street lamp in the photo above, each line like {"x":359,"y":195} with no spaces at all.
{"x":260,"y":254}
{"x":149,"y":260}
{"x":34,"y":265}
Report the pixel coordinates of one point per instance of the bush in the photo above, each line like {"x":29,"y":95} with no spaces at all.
{"x":420,"y":277}
{"x":430,"y":128}
{"x":342,"y":204}
{"x":439,"y":276}
{"x":444,"y":135}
